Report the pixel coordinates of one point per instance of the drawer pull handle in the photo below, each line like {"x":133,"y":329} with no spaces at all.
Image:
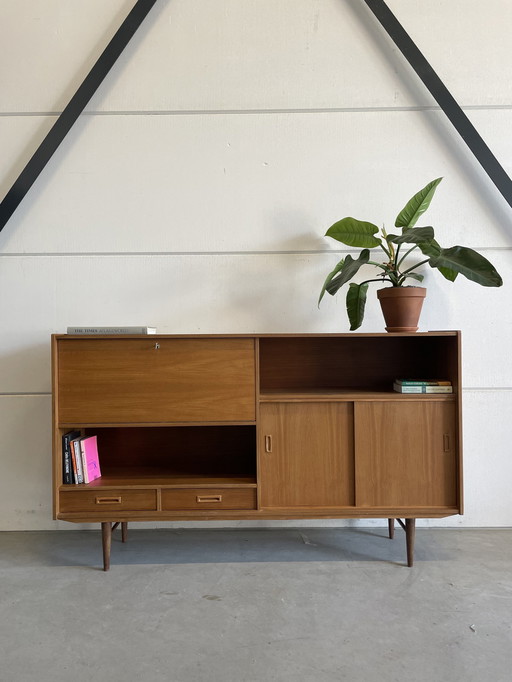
{"x":109,"y":500}
{"x":209,"y":498}
{"x":446,"y":442}
{"x":268,"y":443}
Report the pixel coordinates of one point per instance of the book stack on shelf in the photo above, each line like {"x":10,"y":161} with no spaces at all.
{"x":80,"y":462}
{"x":93,"y":331}
{"x":412,"y":386}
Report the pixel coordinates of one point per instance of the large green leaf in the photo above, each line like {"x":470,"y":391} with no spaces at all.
{"x":448,"y":274}
{"x":408,"y":216}
{"x":354,"y":233}
{"x":417,"y":235}
{"x":432,"y":249}
{"x":469,"y":263}
{"x":347,"y":269}
{"x":356,"y":301}
{"x":329,"y":277}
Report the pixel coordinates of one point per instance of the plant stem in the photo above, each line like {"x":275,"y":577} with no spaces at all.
{"x":415,"y":266}
{"x":386,"y":251}
{"x":415,"y":246}
{"x":384,"y":279}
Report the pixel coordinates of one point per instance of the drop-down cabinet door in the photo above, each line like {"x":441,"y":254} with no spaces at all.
{"x":306,"y":455}
{"x":406,"y":454}
{"x":155,"y":380}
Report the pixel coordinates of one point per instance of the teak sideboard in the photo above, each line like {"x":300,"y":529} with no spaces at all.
{"x":271,"y":426}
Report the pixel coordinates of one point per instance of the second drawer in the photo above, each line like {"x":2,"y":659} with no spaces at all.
{"x":208,"y":498}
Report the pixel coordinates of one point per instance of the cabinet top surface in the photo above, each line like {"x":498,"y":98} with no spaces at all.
{"x":255,"y":335}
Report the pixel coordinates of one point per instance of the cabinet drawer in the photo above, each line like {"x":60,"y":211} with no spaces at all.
{"x":154,"y":379}
{"x":208,"y":498}
{"x":108,"y":500}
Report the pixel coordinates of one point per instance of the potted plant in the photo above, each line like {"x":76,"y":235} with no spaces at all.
{"x":397,"y":247}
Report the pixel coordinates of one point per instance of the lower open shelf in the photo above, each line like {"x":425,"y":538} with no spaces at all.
{"x":145,"y":477}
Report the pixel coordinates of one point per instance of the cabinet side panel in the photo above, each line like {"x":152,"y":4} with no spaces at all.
{"x":56,"y":437}
{"x":460,"y":470}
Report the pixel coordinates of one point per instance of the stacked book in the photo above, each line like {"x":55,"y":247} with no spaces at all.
{"x":412,"y":386}
{"x":111,"y":330}
{"x":80,"y":462}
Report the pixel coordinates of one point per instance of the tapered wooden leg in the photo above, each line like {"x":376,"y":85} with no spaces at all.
{"x":106,"y":534}
{"x":410,"y":532}
{"x":124,"y":531}
{"x":391,"y":528}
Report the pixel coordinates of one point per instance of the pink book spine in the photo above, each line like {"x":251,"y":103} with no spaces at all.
{"x":91,"y":458}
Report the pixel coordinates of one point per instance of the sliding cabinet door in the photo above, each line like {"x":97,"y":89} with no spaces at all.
{"x":306,"y":455}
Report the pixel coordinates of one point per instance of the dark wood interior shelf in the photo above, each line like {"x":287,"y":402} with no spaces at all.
{"x":141,"y":477}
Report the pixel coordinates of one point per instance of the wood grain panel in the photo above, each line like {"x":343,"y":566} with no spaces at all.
{"x":406,"y":454}
{"x":310,"y":462}
{"x":129,"y":380}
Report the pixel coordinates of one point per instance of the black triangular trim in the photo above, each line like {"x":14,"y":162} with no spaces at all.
{"x":73,"y":110}
{"x":443,"y":97}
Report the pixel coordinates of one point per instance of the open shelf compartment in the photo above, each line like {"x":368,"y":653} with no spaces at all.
{"x":179,"y":456}
{"x":350,"y":366}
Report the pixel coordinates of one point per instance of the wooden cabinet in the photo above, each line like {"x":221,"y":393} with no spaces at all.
{"x":259,"y":427}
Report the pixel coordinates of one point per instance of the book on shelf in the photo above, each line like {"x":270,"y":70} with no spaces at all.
{"x":90,"y":460}
{"x":67,"y":462}
{"x":82,"y":461}
{"x":414,"y":382}
{"x":111,"y":330}
{"x":77,"y":461}
{"x":73,"y":462}
{"x":400,"y":388}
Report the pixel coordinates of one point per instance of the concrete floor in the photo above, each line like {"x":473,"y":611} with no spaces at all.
{"x":256,"y":606}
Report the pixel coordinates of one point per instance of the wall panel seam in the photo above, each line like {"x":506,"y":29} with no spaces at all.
{"x":17,"y":394}
{"x":299,"y":110}
{"x":179,"y":254}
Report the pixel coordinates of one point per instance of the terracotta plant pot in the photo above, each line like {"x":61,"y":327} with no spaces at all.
{"x":401,"y":307}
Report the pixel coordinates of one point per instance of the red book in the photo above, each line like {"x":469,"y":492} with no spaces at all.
{"x":89,"y":447}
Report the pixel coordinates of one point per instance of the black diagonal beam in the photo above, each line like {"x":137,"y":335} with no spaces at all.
{"x":443,"y":97}
{"x":73,"y":110}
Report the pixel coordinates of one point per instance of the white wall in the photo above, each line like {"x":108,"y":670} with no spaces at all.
{"x":194,"y":192}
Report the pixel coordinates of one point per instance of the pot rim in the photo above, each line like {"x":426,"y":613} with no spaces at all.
{"x":387,"y":292}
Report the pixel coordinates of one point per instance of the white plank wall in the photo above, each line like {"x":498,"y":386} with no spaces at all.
{"x":194,"y":192}
{"x":248,"y":182}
